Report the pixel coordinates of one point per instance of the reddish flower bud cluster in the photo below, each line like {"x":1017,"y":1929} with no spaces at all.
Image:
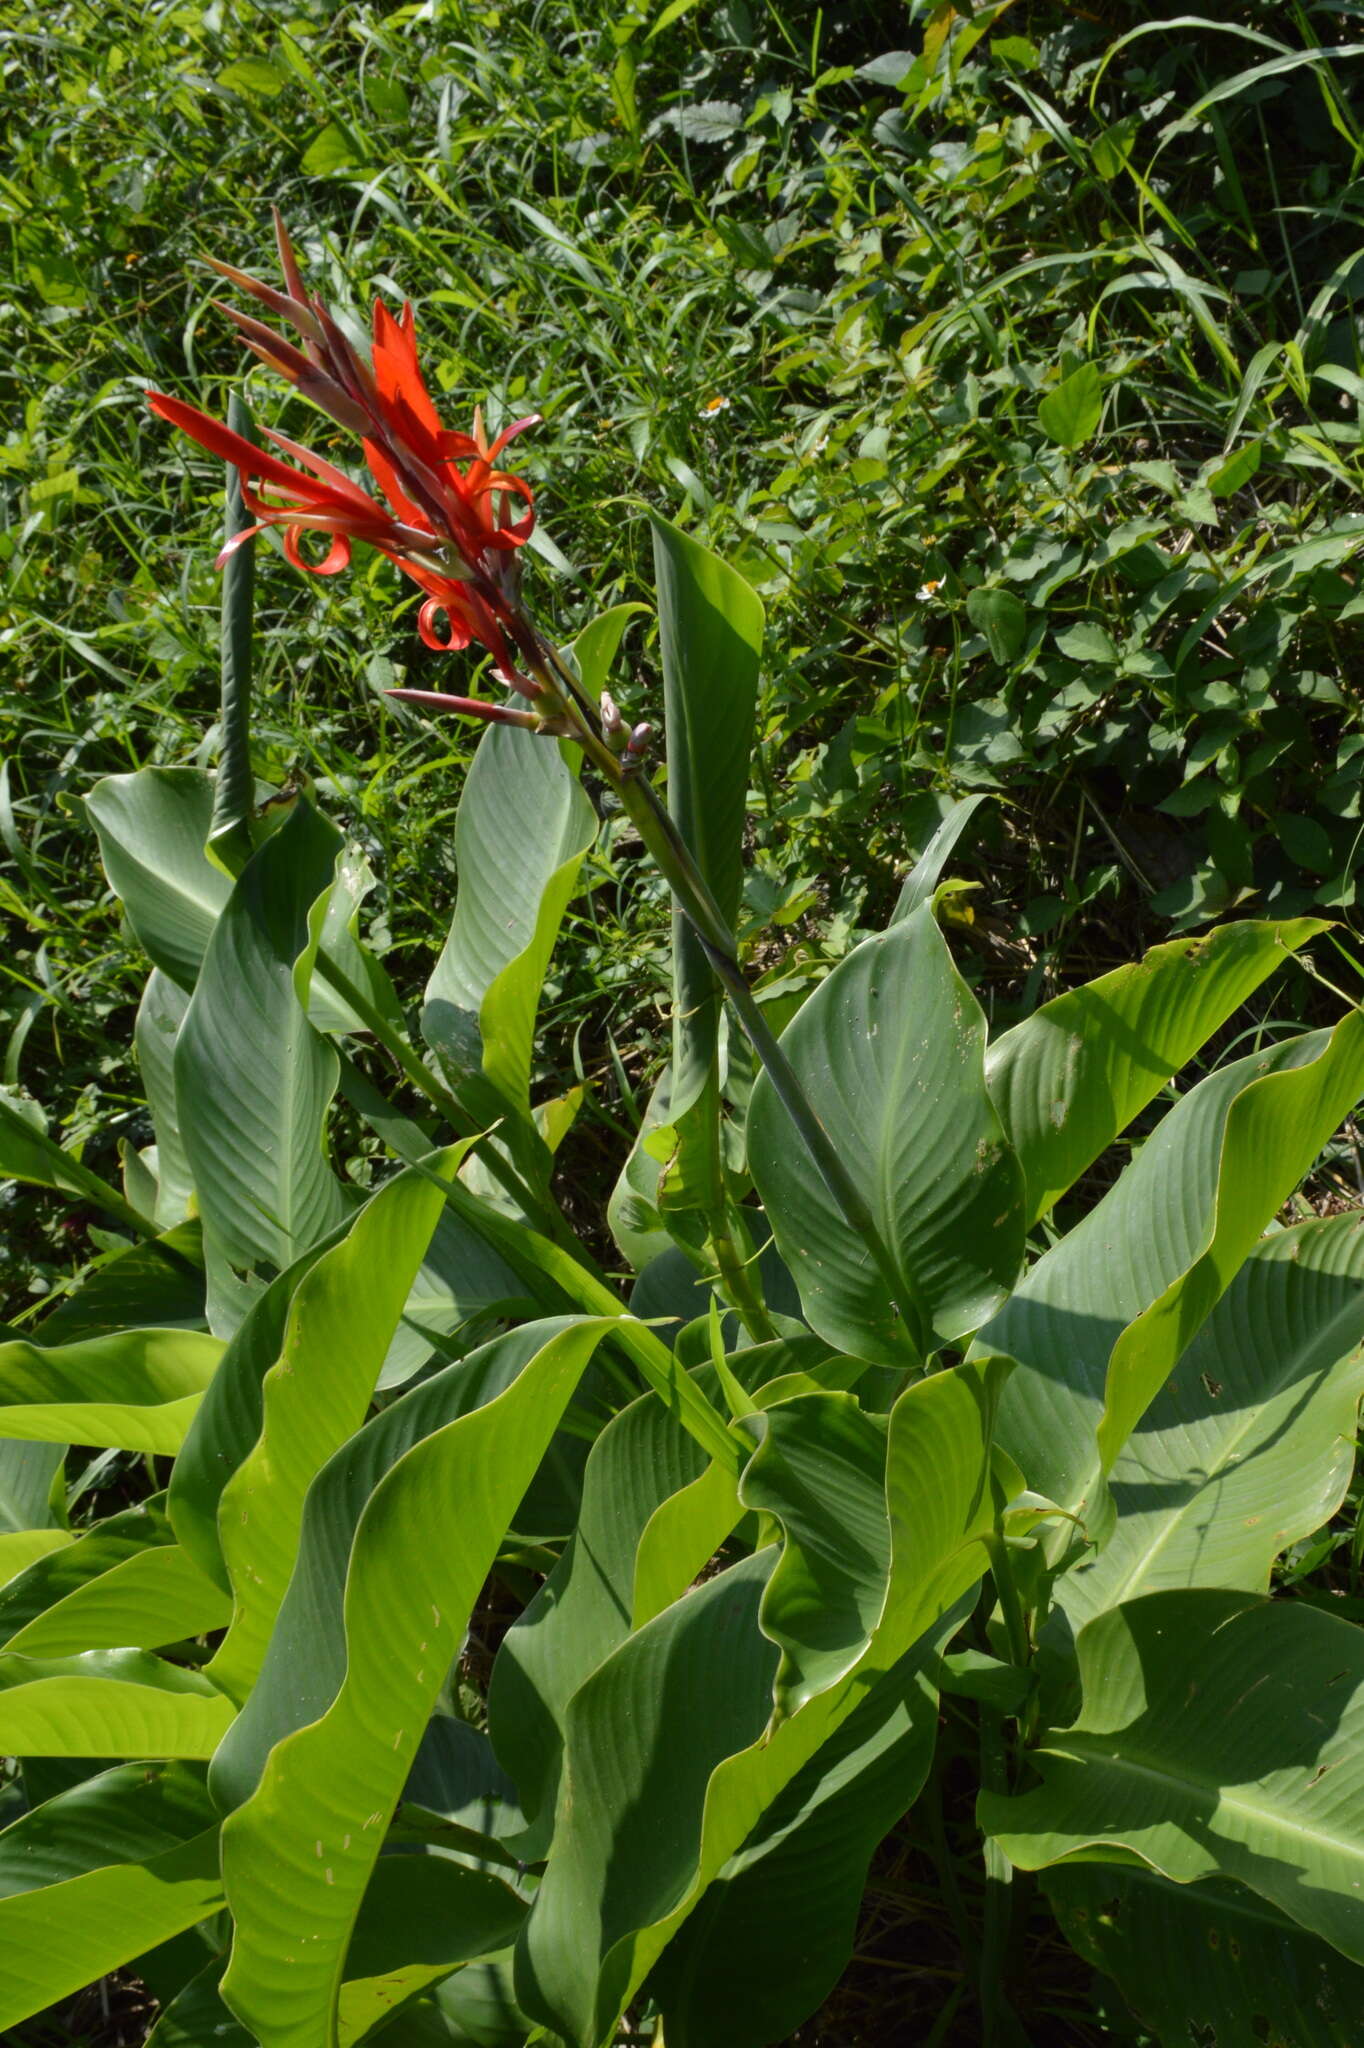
{"x":452,"y":521}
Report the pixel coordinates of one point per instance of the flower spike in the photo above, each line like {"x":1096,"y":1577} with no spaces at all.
{"x":445,"y":513}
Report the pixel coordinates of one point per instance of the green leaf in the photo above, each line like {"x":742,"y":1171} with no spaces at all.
{"x":521,"y":831}
{"x":136,"y":1391}
{"x":125,"y":1583}
{"x":107,"y":1703}
{"x":159,"y":1282}
{"x":1116,"y":1301}
{"x":26,"y":1151}
{"x":923,"y":878}
{"x":314,"y":1397}
{"x":710,"y":643}
{"x":819,"y":1469}
{"x":197,"y":2018}
{"x":1236,"y":472}
{"x":253,"y":1080}
{"x":254,"y":76}
{"x":1003,"y":619}
{"x":27,"y":1471}
{"x":1069,"y":414}
{"x":371,"y":1635}
{"x":421,"y":1918}
{"x":152,"y":827}
{"x":1072,"y":1076}
{"x":98,"y":1875}
{"x":1248,"y":1446}
{"x":890,"y":1052}
{"x":1220,"y":1736}
{"x":632,"y":1841}
{"x":333,"y":148}
{"x":583,"y":1610}
{"x":1206,"y":1962}
{"x":775,"y":1930}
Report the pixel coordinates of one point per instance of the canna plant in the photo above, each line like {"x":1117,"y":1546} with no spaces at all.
{"x":875,"y":1430}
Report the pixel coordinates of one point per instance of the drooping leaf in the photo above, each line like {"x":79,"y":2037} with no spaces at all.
{"x":107,"y":1703}
{"x":1248,"y":1446}
{"x":421,"y":1917}
{"x":630,"y":1836}
{"x":775,"y":1930}
{"x":125,"y":1583}
{"x":1207,"y":1962}
{"x":97,"y":1876}
{"x":371,"y":1635}
{"x":158,"y":1282}
{"x":26,"y":1474}
{"x":1172,"y":1232}
{"x":819,"y":1469}
{"x":890,"y":1052}
{"x":152,"y":828}
{"x":253,"y":1079}
{"x":1220,"y":1736}
{"x":341,"y":1322}
{"x":136,"y":1391}
{"x":582,"y":1612}
{"x":1071,"y":1077}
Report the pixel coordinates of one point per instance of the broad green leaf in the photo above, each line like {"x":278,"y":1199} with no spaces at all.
{"x":228,"y":1421}
{"x":820,"y":1470}
{"x":1206,"y":1962}
{"x":20,"y":1548}
{"x":27,"y":1152}
{"x":1003,"y":619}
{"x":1172,"y":1232}
{"x":1220,"y":1736}
{"x":314,"y":1397}
{"x":582,"y":1612}
{"x":159,"y":1017}
{"x":107,"y":1703}
{"x":158,"y":1282}
{"x":1070,"y":1078}
{"x":1275,"y":1130}
{"x":27,"y":1471}
{"x":197,"y":2018}
{"x":152,"y":827}
{"x":890,"y":1052}
{"x":461,"y":1278}
{"x":521,"y":831}
{"x":775,"y":1930}
{"x":253,"y":1079}
{"x":136,"y":1391}
{"x":385,"y":1623}
{"x":1071,"y":411}
{"x":124,"y":1583}
{"x":631,"y":1840}
{"x":710,"y":641}
{"x":97,"y":1876}
{"x":421,"y":1917}
{"x":1249,"y":1444}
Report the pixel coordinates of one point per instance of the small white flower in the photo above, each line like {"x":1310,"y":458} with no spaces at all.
{"x":712,"y":406}
{"x":928,"y":590}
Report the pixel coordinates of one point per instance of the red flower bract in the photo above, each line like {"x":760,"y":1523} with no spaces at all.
{"x":453,"y":520}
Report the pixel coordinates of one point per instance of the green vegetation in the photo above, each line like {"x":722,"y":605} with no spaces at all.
{"x":1012,"y":355}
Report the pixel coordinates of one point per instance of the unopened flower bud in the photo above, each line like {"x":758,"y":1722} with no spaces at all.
{"x":612,"y":724}
{"x":637,"y":747}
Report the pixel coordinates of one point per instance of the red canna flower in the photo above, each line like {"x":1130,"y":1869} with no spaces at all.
{"x":453,"y":520}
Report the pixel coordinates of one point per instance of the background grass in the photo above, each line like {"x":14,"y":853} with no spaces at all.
{"x":1014,"y":354}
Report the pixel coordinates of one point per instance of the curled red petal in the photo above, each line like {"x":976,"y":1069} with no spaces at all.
{"x":335,"y":560}
{"x":460,"y":635}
